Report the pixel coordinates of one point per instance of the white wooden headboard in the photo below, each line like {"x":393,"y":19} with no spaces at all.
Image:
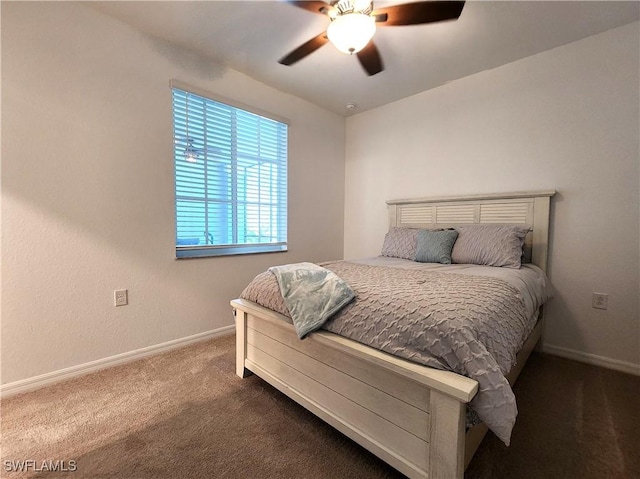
{"x":529,"y":208}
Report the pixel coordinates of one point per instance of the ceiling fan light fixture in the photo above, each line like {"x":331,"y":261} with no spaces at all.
{"x":351,"y":32}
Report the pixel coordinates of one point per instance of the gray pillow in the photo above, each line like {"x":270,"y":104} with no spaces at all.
{"x":400,"y":243}
{"x":435,"y":246}
{"x":491,"y":245}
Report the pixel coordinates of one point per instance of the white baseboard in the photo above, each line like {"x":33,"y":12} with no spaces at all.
{"x":46,"y":379}
{"x":594,"y":359}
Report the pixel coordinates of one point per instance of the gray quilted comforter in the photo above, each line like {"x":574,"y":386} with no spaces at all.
{"x":472,"y":325}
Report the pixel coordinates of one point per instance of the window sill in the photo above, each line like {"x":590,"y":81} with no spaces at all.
{"x":228,"y":250}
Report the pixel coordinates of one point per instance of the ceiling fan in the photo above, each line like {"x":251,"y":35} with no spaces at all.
{"x":353,"y":23}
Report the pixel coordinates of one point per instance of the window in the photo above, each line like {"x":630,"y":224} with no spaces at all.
{"x":230,"y":178}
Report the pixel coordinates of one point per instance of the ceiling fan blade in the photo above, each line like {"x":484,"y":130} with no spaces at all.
{"x":418,"y":13}
{"x":381,"y":17}
{"x":370,"y":59}
{"x":304,"y":49}
{"x":313,"y":6}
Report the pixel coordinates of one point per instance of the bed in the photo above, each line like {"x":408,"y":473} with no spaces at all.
{"x":411,"y":416}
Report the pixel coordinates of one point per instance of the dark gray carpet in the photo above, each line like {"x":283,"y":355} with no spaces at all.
{"x":184,"y":414}
{"x":574,"y":421}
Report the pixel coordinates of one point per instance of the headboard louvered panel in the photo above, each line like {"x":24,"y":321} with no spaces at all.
{"x":528,"y":208}
{"x":510,"y":213}
{"x":416,"y":214}
{"x":457,"y":214}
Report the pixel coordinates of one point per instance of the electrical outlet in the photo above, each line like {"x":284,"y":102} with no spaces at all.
{"x":600,"y":301}
{"x":120,"y":297}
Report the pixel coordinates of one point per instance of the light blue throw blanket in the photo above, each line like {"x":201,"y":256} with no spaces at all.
{"x":312,"y":294}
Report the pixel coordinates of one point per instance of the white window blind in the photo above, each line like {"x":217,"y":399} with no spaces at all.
{"x":230,"y":178}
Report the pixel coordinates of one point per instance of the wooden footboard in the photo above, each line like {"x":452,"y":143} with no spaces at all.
{"x":411,"y":416}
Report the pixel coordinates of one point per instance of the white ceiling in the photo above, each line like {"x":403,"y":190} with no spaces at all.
{"x":250,"y":37}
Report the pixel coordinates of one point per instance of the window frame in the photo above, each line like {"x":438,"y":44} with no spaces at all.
{"x":199,"y":251}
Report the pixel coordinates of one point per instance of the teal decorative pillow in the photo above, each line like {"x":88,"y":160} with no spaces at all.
{"x":435,"y":246}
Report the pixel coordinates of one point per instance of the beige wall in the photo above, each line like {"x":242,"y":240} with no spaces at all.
{"x":87,"y":190}
{"x":565,"y":119}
